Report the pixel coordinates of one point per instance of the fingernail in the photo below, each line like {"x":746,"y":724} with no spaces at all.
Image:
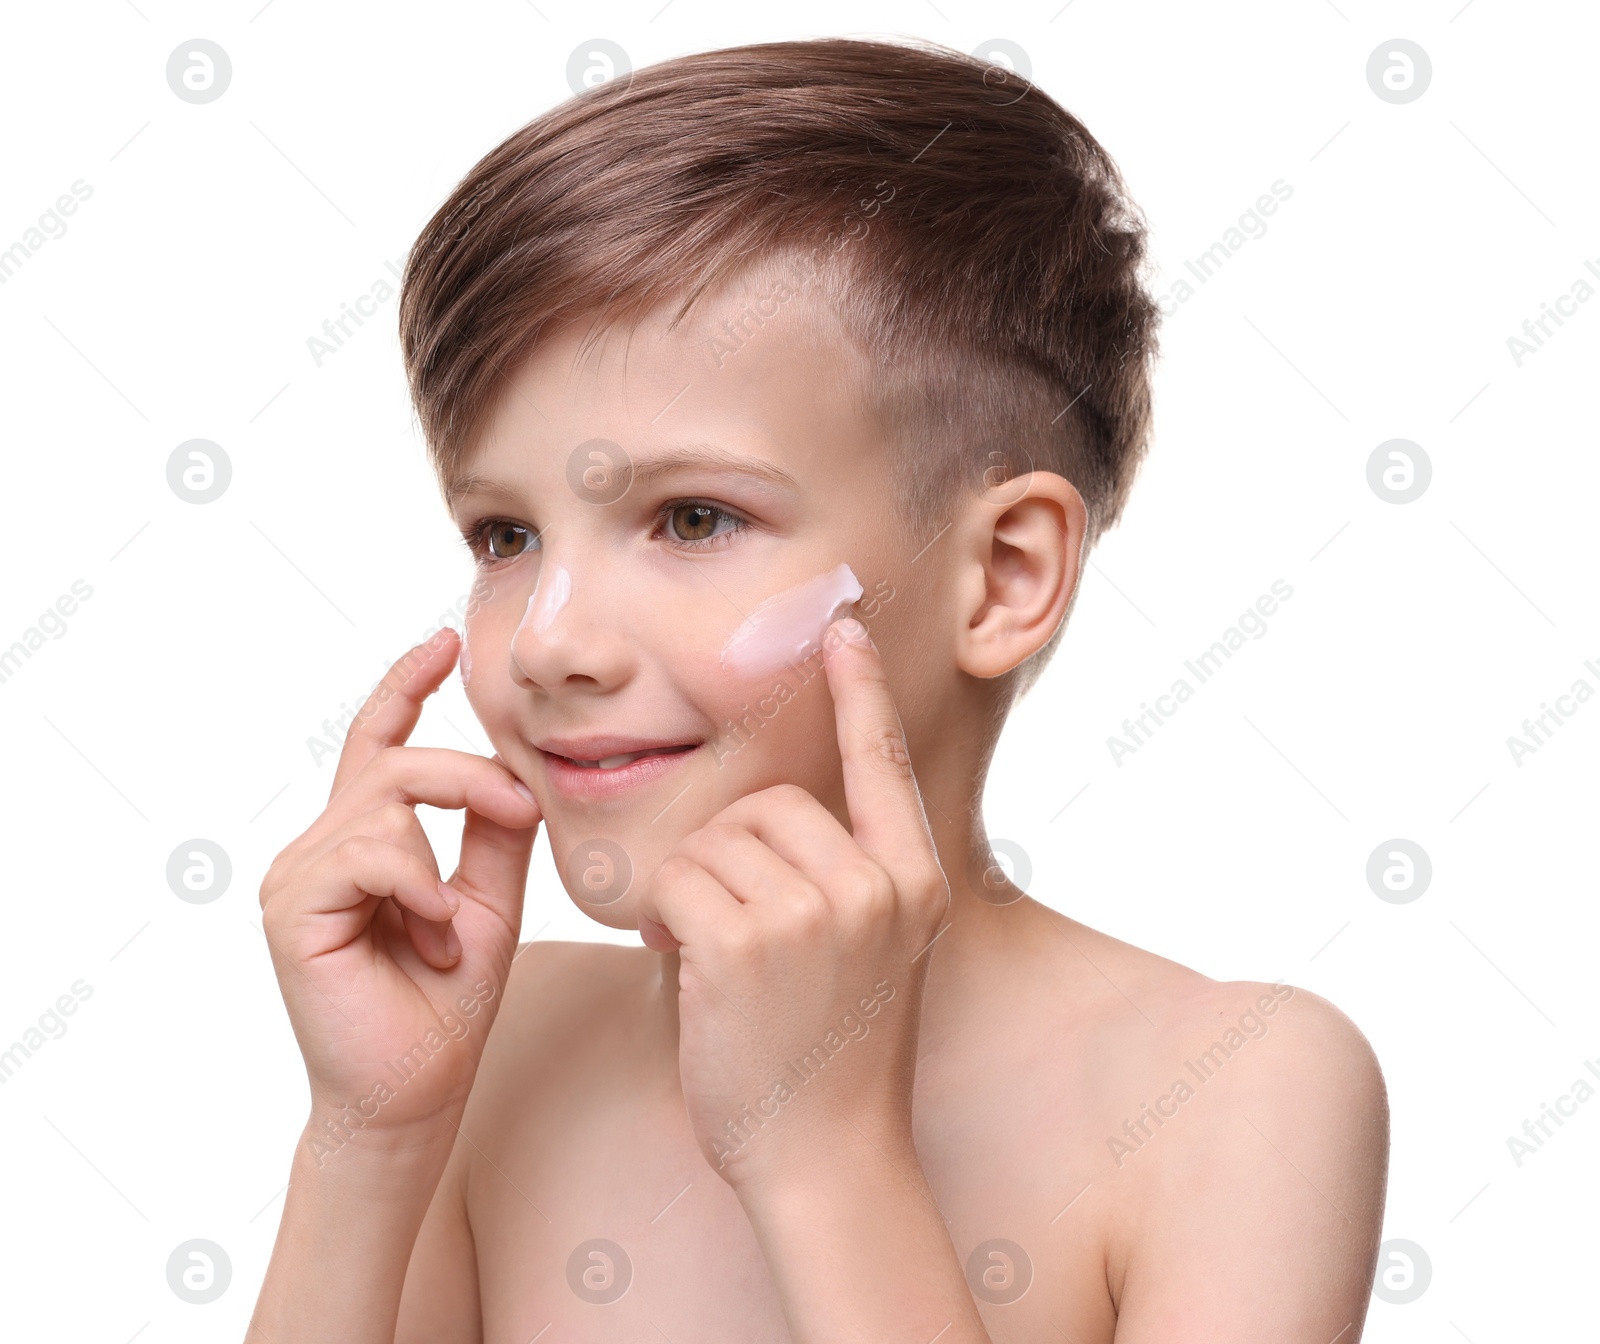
{"x":451,"y":897}
{"x":452,"y":944}
{"x":524,"y":790}
{"x":854,"y":631}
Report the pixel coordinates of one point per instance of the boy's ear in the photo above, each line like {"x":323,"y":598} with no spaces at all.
{"x":1021,"y":558}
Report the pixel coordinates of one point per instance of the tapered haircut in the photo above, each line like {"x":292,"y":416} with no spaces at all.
{"x":975,"y":243}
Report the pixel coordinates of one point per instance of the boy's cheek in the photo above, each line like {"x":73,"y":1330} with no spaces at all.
{"x":776,"y":728}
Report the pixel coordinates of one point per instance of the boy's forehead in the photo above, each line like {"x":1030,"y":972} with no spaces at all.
{"x":752,"y":324}
{"x":744,"y":375}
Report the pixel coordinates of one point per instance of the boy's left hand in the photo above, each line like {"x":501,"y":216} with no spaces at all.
{"x":801,"y":947}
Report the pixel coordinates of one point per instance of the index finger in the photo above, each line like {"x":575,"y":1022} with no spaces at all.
{"x":880,"y":790}
{"x":392,"y":710}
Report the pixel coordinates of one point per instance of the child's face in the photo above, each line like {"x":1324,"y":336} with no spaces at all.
{"x":615,"y":620}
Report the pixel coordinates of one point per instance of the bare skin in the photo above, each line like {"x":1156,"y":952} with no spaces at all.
{"x":1035,"y":1131}
{"x":1029,"y":1067}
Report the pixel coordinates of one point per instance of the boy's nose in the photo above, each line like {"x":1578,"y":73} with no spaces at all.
{"x":548,"y":598}
{"x":568,"y":631}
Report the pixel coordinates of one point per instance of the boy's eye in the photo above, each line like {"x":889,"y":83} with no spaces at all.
{"x":506,"y":541}
{"x":695,"y":525}
{"x":695,"y":522}
{"x":691,"y":524}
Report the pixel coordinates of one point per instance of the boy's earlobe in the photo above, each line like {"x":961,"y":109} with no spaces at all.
{"x":1020,"y":571}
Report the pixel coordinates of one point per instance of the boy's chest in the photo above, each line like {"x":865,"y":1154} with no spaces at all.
{"x":600,"y":1220}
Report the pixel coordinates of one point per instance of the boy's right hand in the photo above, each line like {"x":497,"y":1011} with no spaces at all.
{"x":368,"y":952}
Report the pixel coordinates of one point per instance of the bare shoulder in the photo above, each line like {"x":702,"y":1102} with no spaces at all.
{"x":1165,"y":1011}
{"x":1285,"y":1056}
{"x":1318,"y":1045}
{"x":1246,"y":1130}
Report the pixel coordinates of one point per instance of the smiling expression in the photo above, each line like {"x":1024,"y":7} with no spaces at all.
{"x":629,"y":512}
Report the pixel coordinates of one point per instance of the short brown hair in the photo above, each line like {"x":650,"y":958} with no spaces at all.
{"x":994,"y":291}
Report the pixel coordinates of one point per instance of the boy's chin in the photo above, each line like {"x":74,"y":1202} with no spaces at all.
{"x":623,"y":915}
{"x":619,"y":915}
{"x":604,"y":876}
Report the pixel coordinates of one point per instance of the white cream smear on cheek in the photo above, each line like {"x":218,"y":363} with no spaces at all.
{"x":466,"y":659}
{"x":790,"y":625}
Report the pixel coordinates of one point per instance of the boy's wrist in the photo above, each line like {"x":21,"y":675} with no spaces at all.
{"x":830,"y":1164}
{"x":332,"y":1144}
{"x":858,"y":1248}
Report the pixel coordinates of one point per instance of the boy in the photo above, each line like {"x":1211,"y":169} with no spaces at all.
{"x":708,"y":360}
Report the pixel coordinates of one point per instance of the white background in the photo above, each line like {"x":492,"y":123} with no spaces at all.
{"x":218,"y":638}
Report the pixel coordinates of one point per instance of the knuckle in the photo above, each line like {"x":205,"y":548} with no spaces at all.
{"x":789,"y":795}
{"x":674,"y":870}
{"x":393,"y":820}
{"x":886,"y":745}
{"x":420,"y":873}
{"x":928,"y":893}
{"x":771,"y":801}
{"x":286,"y":872}
{"x":352,"y":850}
{"x":807,"y":907}
{"x":933,"y":886}
{"x":742,"y":946}
{"x":720,"y":833}
{"x":868,"y":886}
{"x":270,"y":880}
{"x":876,"y":894}
{"x":815,"y":911}
{"x":275,"y":915}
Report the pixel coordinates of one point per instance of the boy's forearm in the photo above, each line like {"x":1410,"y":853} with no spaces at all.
{"x":860,"y":1254}
{"x":345,"y":1240}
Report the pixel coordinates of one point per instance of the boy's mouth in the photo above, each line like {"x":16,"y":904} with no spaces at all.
{"x":608,"y":753}
{"x":598,"y":766}
{"x":625,"y":758}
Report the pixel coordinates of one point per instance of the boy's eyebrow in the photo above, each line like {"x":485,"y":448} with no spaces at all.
{"x":679,"y":457}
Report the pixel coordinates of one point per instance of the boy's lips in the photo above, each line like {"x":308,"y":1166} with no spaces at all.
{"x":600,"y":767}
{"x":597,"y":748}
